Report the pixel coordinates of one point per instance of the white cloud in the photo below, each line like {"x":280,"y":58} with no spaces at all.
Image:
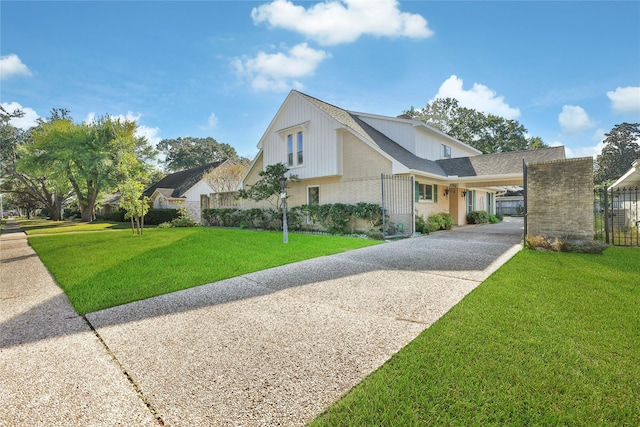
{"x":574,"y":120}
{"x":480,"y":98}
{"x":278,"y":71}
{"x":625,"y":100}
{"x":91,"y":117}
{"x":212,"y":121}
{"x":25,"y":122}
{"x":11,"y":65}
{"x":152,"y":134}
{"x":333,"y":22}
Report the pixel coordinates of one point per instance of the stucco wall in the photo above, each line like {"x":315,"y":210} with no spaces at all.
{"x":559,"y":198}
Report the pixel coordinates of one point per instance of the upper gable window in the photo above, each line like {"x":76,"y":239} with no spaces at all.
{"x":293,"y":137}
{"x":290,"y":150}
{"x":445,"y":152}
{"x":295,"y":151}
{"x":300,"y":148}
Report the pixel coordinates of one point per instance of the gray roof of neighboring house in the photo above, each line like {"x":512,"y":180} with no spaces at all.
{"x":485,"y":164}
{"x":176,"y":184}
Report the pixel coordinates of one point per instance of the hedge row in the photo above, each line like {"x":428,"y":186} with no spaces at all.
{"x":333,"y":218}
{"x":153,"y":217}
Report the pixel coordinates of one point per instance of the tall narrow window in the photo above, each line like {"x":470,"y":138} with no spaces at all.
{"x":300,"y":148}
{"x":446,"y":152}
{"x":313,"y":194}
{"x":290,"y":150}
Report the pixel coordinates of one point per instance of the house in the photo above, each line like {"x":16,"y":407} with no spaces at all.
{"x":344,"y":156}
{"x":625,"y":199}
{"x":186,"y":188}
{"x":110,"y":203}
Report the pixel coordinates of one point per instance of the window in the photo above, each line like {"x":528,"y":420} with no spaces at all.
{"x":471,"y":200}
{"x":424,"y":192}
{"x":290,"y":150}
{"x":298,"y":154}
{"x":300,"y":148}
{"x":313,"y":195}
{"x":446,"y":152}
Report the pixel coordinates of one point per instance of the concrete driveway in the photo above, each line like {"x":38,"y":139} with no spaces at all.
{"x":274,"y":347}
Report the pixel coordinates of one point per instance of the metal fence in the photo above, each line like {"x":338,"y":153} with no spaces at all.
{"x":617,"y":216}
{"x":397,"y":206}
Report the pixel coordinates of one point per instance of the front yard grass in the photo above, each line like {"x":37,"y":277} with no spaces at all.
{"x":44,"y":226}
{"x":549,"y":339}
{"x":104,"y":269}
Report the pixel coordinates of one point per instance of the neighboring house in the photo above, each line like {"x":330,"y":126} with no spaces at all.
{"x":186,"y":188}
{"x":109,"y":203}
{"x":340,"y":156}
{"x":625,"y":198}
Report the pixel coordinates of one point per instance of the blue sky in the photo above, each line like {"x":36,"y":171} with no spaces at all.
{"x":568,"y":71}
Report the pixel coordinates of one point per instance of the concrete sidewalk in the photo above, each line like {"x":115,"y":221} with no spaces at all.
{"x":274,"y":347}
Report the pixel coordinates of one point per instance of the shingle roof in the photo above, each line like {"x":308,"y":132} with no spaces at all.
{"x":498,"y":163}
{"x":485,"y":164}
{"x":176,"y":184}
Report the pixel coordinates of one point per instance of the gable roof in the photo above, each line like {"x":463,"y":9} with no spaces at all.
{"x":176,"y":184}
{"x":474,"y":166}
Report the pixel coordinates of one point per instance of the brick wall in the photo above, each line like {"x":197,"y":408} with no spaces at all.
{"x":559,"y":197}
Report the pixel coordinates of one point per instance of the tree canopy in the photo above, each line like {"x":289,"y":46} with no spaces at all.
{"x":488,"y":133}
{"x":622,"y":147}
{"x":188,"y":152}
{"x":59,"y":158}
{"x":29,"y":184}
{"x":227,"y":177}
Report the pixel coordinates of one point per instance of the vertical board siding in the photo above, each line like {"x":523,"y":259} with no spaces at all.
{"x":320,"y":140}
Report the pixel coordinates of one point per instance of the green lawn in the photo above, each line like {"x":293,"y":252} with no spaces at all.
{"x":44,"y":226}
{"x":549,"y":339}
{"x":104,"y":269}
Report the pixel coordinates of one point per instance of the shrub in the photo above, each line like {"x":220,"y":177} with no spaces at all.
{"x":117,"y":216}
{"x":448,"y":220}
{"x":184,"y":222}
{"x":494,"y":219}
{"x":477,"y":217}
{"x":421,"y":225}
{"x":158,"y":216}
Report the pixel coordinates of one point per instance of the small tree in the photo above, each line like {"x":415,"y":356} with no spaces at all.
{"x":135,"y":205}
{"x":269,"y":185}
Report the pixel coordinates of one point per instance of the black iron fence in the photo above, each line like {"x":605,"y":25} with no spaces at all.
{"x":617,"y":216}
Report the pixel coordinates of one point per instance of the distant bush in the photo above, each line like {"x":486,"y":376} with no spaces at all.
{"x":158,"y":216}
{"x":493,"y":219}
{"x":117,"y":216}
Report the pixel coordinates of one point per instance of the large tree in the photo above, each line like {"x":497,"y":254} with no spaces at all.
{"x":89,"y":155}
{"x":488,"y":133}
{"x":622,"y":147}
{"x":29,"y":182}
{"x":185,"y":153}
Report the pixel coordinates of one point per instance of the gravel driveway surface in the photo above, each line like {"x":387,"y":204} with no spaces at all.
{"x":275,"y":347}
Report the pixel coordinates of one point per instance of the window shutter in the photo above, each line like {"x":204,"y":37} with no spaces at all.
{"x":435,"y":193}
{"x":417,"y":191}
